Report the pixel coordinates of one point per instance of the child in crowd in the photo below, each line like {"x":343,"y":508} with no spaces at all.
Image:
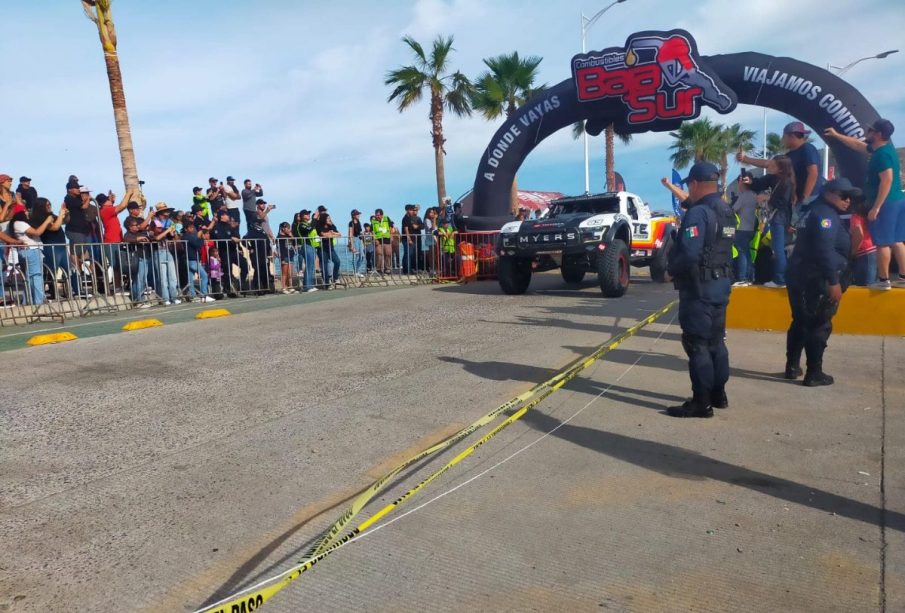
{"x":216,"y":272}
{"x":864,"y":252}
{"x":367,"y":239}
{"x":285,"y":243}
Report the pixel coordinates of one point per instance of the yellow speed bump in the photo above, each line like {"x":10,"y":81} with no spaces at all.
{"x":50,"y":339}
{"x":141,"y":324}
{"x":211,"y":313}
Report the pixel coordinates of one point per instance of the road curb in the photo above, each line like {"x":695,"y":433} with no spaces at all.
{"x":50,"y":339}
{"x":142,"y":324}
{"x":212,"y":313}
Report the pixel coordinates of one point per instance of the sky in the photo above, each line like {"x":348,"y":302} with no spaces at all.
{"x":290,"y":93}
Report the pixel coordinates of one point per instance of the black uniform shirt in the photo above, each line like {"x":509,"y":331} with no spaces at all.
{"x":822,"y":249}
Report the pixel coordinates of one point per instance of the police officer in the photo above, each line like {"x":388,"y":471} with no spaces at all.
{"x":816,"y":280}
{"x":700,"y":266}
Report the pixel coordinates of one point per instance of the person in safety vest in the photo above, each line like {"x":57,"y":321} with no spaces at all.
{"x":700,"y":265}
{"x":817,"y":279}
{"x":304,"y":230}
{"x":447,"y":237}
{"x":380,"y":226}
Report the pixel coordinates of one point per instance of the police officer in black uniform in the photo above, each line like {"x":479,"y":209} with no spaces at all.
{"x":817,"y":277}
{"x":700,"y":266}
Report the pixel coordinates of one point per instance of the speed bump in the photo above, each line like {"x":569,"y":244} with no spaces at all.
{"x":50,"y":339}
{"x":141,"y":324}
{"x":211,"y":313}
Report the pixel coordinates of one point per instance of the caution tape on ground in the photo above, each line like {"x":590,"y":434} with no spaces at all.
{"x":252,"y":598}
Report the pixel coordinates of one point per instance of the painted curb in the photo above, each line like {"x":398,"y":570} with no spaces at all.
{"x":50,"y":339}
{"x":142,"y":324}
{"x":212,"y":313}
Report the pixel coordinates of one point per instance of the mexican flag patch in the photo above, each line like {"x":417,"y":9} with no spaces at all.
{"x":692,"y":232}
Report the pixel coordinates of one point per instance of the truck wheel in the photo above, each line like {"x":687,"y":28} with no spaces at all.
{"x":572,"y":274}
{"x":660,"y":261}
{"x":613,"y":269}
{"x":514,"y":274}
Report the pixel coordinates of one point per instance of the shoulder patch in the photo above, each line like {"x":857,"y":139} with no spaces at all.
{"x":692,"y":232}
{"x":826,"y":223}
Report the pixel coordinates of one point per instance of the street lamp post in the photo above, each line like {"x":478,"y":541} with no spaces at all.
{"x":586,"y":23}
{"x":841,"y":70}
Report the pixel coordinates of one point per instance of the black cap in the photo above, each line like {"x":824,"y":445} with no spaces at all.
{"x":702,"y":171}
{"x":356,"y":212}
{"x":212,"y":180}
{"x":304,"y":212}
{"x":195,"y":190}
{"x":841,"y":186}
{"x":230,"y":178}
{"x":260,"y":201}
{"x":24,"y":180}
{"x":322,"y":209}
{"x":884,"y":127}
{"x":101,"y":198}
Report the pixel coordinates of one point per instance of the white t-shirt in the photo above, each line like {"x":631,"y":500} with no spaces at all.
{"x":230,"y":203}
{"x":19,"y":228}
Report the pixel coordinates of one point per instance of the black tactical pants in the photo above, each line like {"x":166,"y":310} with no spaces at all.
{"x":704,"y":340}
{"x":812,"y":321}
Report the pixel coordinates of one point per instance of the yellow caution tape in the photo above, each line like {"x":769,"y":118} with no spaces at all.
{"x":330,"y":542}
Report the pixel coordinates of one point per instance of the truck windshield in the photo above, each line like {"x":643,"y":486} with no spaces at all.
{"x":591,"y":206}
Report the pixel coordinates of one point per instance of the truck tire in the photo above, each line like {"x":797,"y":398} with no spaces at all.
{"x":660,"y":261}
{"x":613,"y":269}
{"x":572,"y":274}
{"x":514,"y":274}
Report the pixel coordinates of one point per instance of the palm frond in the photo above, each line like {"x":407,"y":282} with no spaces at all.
{"x":440,"y":54}
{"x":418,"y":50}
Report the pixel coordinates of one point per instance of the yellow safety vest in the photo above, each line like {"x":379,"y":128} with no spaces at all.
{"x":448,"y":239}
{"x":381,"y":228}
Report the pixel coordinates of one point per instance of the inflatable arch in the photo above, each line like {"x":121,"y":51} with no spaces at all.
{"x":654,"y":83}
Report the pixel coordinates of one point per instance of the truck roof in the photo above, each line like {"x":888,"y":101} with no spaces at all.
{"x":586,"y":197}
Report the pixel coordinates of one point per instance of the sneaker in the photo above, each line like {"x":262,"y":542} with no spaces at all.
{"x":899,"y":281}
{"x":772,"y":285}
{"x":792,"y":372}
{"x":817,"y":379}
{"x":310,"y":289}
{"x":741,"y":284}
{"x":882,"y":284}
{"x":177,"y":301}
{"x":719,"y":400}
{"x":208,"y":299}
{"x":144,"y":305}
{"x":690,"y":408}
{"x":286,"y":291}
{"x":167,"y":303}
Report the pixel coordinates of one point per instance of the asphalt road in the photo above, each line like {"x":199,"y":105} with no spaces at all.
{"x":162,"y":469}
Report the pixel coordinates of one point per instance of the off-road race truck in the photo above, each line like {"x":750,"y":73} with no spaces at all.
{"x":603,"y":234}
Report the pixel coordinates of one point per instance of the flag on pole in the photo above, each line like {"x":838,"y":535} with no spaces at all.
{"x":676,"y":180}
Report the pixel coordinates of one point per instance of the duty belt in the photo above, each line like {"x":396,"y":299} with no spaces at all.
{"x":711,"y":274}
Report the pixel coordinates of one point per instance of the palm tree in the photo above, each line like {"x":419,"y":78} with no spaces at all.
{"x":610,"y":135}
{"x":98,"y":11}
{"x":774,"y":145}
{"x":449,"y":91}
{"x":696,"y":141}
{"x":734,"y":139}
{"x":506,"y":85}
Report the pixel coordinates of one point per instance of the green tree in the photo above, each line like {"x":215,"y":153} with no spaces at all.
{"x":448,"y":91}
{"x":98,"y":11}
{"x":609,"y":160}
{"x":734,"y":139}
{"x":696,"y":141}
{"x":774,"y":145}
{"x":507,"y":84}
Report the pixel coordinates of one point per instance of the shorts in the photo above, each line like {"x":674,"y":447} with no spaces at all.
{"x":889,"y":228}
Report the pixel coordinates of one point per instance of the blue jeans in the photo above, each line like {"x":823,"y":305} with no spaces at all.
{"x":139,"y":273}
{"x":778,"y":242}
{"x":864,"y":269}
{"x":308,"y":278}
{"x":56,"y":257}
{"x":330,"y":263}
{"x":34,"y":266}
{"x":166,"y":275}
{"x":357,"y":256}
{"x":196,"y":267}
{"x":743,"y":269}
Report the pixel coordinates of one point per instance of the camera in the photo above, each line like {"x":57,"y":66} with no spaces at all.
{"x":141,"y":182}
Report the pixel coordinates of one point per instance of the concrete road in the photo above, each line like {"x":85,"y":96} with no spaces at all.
{"x":162,"y":469}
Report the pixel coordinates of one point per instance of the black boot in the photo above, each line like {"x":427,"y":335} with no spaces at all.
{"x":793,"y":371}
{"x":690,"y":408}
{"x":816,"y":378}
{"x":718,"y":399}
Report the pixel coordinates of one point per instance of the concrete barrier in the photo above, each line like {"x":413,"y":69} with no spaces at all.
{"x":862,"y":311}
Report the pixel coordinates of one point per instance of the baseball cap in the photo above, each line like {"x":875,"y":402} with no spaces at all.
{"x":702,"y":171}
{"x":101,"y":198}
{"x":195,"y":190}
{"x":24,"y":180}
{"x":356,"y":212}
{"x":84,"y":190}
{"x":260,"y":201}
{"x":212,"y":180}
{"x":884,"y":127}
{"x":304,"y":212}
{"x":841,"y":185}
{"x":322,"y":209}
{"x":230,"y":178}
{"x":795,"y":127}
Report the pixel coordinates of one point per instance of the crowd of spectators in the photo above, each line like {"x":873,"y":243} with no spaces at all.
{"x":159,"y":255}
